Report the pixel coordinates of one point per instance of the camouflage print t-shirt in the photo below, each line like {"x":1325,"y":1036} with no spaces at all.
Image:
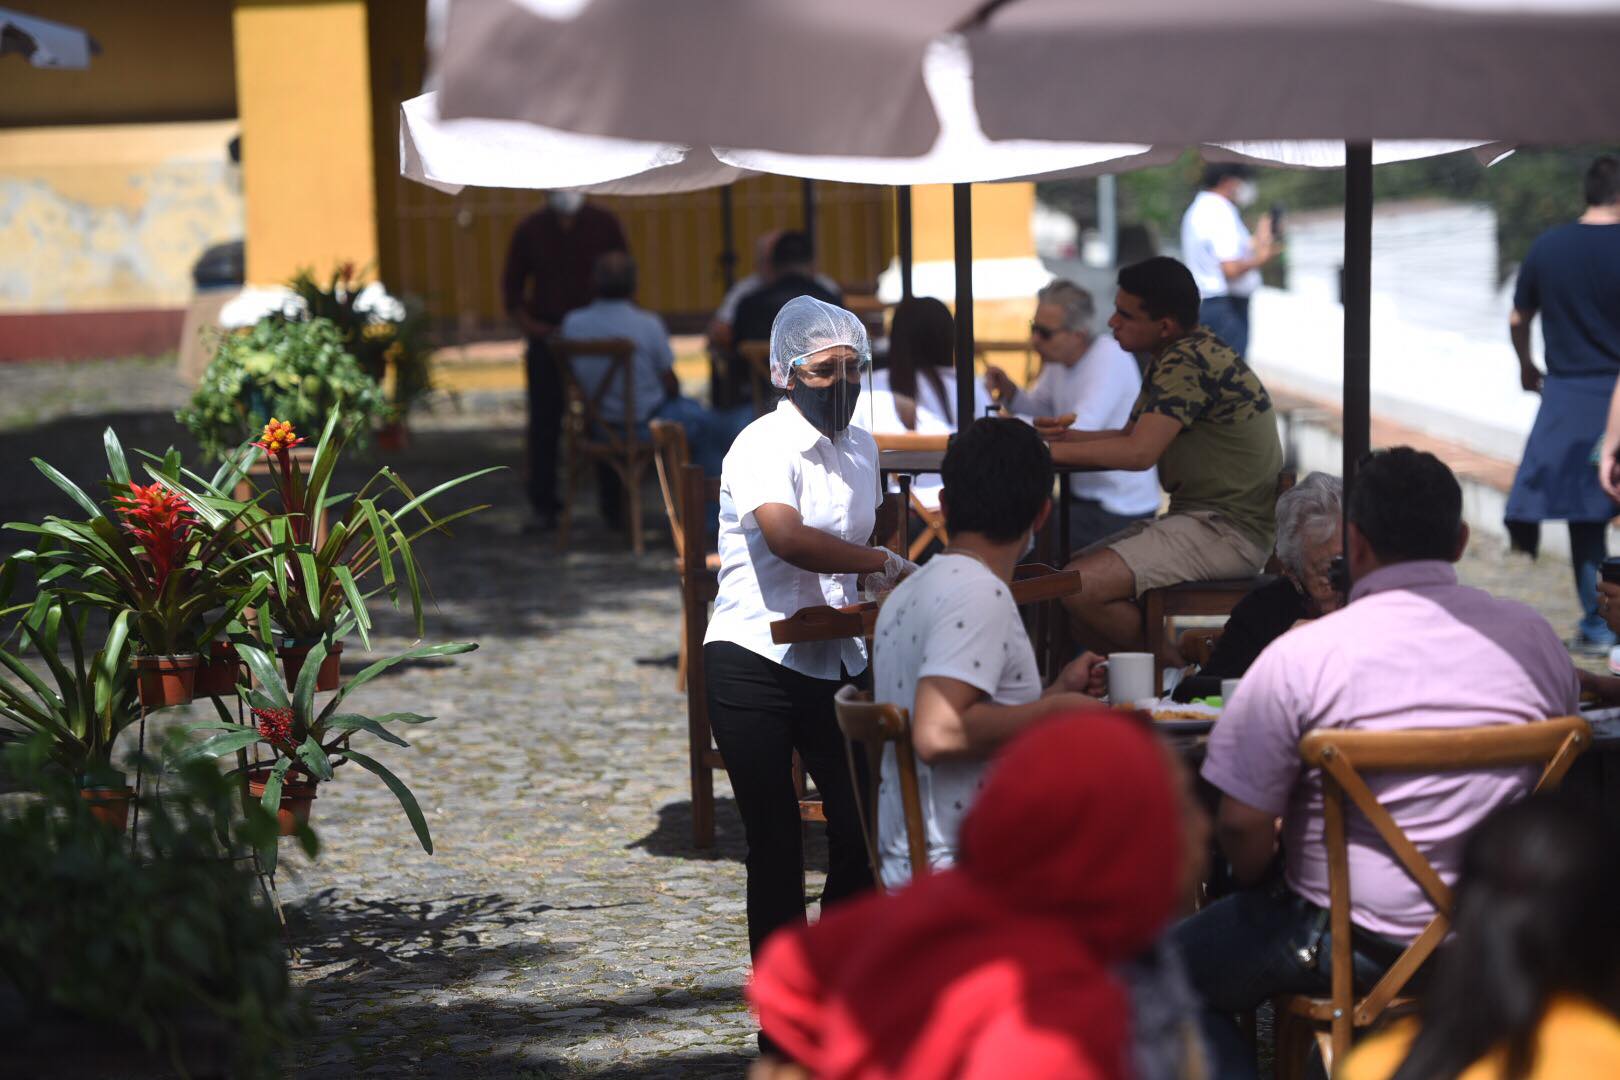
{"x":1227,"y":457}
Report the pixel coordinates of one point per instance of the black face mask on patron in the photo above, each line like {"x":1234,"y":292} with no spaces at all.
{"x":828,"y":408}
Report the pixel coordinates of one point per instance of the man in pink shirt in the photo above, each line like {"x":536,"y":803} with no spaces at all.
{"x":1412,"y":649}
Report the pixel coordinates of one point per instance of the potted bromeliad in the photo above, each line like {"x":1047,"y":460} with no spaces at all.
{"x":80,"y":703}
{"x":305,"y":745}
{"x":324,"y":563}
{"x":146,"y":552}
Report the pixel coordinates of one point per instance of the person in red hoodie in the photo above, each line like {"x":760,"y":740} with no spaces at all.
{"x":1070,"y":864}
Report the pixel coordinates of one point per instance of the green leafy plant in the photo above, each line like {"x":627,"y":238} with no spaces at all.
{"x":299,"y":371}
{"x":386,"y":335}
{"x":316,"y":582}
{"x":170,"y":944}
{"x":308,"y":742}
{"x":146,"y":553}
{"x":83,"y":701}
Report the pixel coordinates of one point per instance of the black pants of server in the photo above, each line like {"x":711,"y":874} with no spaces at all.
{"x":760,"y":713}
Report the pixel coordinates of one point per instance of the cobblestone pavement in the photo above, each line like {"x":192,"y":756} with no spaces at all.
{"x":563,"y":926}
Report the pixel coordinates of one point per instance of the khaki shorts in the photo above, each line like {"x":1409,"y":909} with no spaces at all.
{"x":1191,"y":546}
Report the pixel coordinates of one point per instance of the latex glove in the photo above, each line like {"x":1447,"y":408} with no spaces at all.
{"x":896,"y":568}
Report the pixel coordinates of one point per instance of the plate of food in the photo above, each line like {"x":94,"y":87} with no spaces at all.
{"x":1188,"y":718}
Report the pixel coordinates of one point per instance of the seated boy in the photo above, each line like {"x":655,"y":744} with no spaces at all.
{"x":950,"y":647}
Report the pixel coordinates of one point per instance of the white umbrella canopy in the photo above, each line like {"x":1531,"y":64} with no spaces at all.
{"x":43,"y":43}
{"x":1181,"y":71}
{"x":794,"y":76}
{"x":452,"y":154}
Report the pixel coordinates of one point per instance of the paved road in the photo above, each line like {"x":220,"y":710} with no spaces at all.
{"x":563,"y":926}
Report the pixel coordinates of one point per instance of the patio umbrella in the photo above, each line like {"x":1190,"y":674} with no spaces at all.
{"x":43,"y":43}
{"x":1351,"y":70}
{"x":816,"y":77}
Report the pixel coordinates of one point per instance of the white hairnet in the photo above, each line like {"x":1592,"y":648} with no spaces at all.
{"x":806,"y":326}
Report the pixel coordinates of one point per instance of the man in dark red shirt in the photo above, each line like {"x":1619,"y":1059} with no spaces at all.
{"x":547,"y":275}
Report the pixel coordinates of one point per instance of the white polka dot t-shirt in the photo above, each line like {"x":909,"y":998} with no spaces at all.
{"x":953,"y":618}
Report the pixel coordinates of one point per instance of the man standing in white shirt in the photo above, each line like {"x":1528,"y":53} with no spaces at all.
{"x":1224,"y":258}
{"x":949,"y":645}
{"x":1094,"y":379}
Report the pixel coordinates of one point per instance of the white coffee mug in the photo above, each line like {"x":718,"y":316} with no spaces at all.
{"x":1228,"y":688}
{"x":1130,"y":678}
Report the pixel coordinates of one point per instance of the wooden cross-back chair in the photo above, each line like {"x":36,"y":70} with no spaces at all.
{"x":674,"y":454}
{"x":1344,"y":757}
{"x":757,"y":356}
{"x":872,"y":726}
{"x":933,"y":520}
{"x":1207,"y":598}
{"x":700,"y":583}
{"x":593,"y":436}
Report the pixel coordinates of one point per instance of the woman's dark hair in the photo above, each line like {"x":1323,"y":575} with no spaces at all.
{"x":1407,"y":504}
{"x":922,"y":340}
{"x":1165,"y":287}
{"x":998,"y":475}
{"x":1534,"y":919}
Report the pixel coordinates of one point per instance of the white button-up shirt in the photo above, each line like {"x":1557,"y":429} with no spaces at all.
{"x":1212,"y":232}
{"x":1099,"y":389}
{"x":833,"y":484}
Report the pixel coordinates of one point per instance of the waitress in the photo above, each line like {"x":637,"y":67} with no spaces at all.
{"x":798,"y":504}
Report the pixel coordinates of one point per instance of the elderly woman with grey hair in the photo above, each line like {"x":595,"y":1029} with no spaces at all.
{"x":1309,"y":517}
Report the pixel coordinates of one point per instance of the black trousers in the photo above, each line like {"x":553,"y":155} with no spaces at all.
{"x":760,"y":713}
{"x":545,"y":392}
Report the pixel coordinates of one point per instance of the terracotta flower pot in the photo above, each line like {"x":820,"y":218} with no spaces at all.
{"x":297,"y":799}
{"x":217,"y":675}
{"x":393,"y":437}
{"x":292,"y":662}
{"x":109,"y":805}
{"x":166,"y":680}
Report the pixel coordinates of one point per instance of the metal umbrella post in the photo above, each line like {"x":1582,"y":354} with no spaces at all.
{"x":902,"y":206}
{"x":1358,"y":201}
{"x":962,"y":223}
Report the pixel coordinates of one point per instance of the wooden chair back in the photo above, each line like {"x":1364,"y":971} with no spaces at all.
{"x":1345,"y":758}
{"x":699,"y":584}
{"x":672,"y":454}
{"x":872,"y":726}
{"x":933,"y":520}
{"x":592,"y":435}
{"x":983,"y":349}
{"x":757,"y":356}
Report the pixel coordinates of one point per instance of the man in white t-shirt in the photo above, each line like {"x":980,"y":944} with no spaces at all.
{"x":1097,"y":382}
{"x":1224,"y":258}
{"x":949,"y":645}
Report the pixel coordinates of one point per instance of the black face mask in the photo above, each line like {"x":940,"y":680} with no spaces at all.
{"x":828,"y":408}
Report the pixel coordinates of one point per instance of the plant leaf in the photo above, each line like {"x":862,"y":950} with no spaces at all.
{"x":401,"y":792}
{"x":303,"y":699}
{"x":117,"y":464}
{"x":370,"y":672}
{"x":314,"y":758}
{"x":266,"y":670}
{"x":226,"y":742}
{"x":354,"y":722}
{"x":73,"y":490}
{"x":357,"y":604}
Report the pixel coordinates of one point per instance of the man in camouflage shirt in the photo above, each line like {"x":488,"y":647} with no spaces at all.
{"x":1205,"y":420}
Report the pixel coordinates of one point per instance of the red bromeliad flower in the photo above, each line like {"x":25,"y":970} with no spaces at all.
{"x":275,"y":725}
{"x":278,"y":438}
{"x":162,"y":521}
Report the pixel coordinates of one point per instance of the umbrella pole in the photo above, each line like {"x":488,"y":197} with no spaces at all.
{"x":962,"y":224}
{"x":902,"y":203}
{"x":1358,"y":200}
{"x":807,"y":193}
{"x":728,"y":240}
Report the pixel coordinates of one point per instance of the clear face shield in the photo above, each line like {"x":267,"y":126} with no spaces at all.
{"x":833,"y":390}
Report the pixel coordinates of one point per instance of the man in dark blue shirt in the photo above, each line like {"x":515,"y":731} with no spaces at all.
{"x":1571,"y":278}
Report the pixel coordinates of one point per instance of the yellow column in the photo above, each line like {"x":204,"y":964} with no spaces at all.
{"x":1001,"y":217}
{"x":303,"y":91}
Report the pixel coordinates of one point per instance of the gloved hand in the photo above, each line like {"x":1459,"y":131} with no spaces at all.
{"x":896,"y":568}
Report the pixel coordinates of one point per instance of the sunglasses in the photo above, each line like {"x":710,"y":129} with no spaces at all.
{"x":1043,"y":332}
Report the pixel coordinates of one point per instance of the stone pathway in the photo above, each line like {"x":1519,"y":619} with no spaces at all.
{"x":563,"y":927}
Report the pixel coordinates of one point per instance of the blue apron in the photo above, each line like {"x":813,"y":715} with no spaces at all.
{"x":1557,"y":478}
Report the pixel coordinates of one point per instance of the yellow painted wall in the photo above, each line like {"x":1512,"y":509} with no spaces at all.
{"x":304,"y":95}
{"x":1001,"y":222}
{"x":161,"y":60}
{"x":111,"y":217}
